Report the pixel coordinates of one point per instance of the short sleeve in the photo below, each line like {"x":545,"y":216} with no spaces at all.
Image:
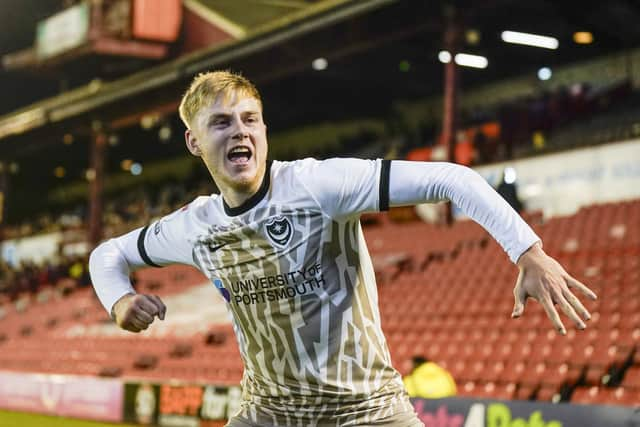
{"x":347,"y":186}
{"x":166,"y":241}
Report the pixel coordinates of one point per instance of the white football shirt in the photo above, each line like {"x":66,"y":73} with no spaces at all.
{"x":294,"y":269}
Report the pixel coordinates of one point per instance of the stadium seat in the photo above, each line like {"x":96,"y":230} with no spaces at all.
{"x":547,"y":393}
{"x":457,"y":315}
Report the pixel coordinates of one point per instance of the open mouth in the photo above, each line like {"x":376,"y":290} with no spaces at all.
{"x":239,"y":155}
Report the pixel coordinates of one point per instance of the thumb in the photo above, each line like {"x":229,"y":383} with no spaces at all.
{"x":520,"y":296}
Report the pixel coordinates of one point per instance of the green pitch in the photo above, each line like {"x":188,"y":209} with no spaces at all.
{"x":20,"y":419}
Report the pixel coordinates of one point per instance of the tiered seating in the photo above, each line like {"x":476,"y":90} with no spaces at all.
{"x":445,"y":293}
{"x":73,"y":334}
{"x":456,"y":311}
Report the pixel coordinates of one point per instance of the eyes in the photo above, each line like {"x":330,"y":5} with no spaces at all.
{"x":221,"y":122}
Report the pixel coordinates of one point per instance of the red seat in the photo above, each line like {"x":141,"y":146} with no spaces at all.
{"x":585,"y":395}
{"x":525,"y":392}
{"x":532,"y":375}
{"x":558,"y":375}
{"x":632,"y":378}
{"x":513,"y":372}
{"x":468,"y":389}
{"x":492,"y":390}
{"x":547,"y":393}
{"x":624,"y":396}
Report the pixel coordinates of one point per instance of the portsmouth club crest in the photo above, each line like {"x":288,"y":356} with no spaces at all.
{"x":279,"y":230}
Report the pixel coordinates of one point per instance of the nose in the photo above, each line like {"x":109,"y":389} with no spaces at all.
{"x":240,"y":131}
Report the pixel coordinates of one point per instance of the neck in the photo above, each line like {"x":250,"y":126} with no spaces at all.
{"x":235,"y":197}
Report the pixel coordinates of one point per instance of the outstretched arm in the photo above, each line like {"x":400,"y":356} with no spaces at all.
{"x":541,"y":277}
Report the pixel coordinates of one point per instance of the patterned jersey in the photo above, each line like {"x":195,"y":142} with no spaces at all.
{"x":294,"y":269}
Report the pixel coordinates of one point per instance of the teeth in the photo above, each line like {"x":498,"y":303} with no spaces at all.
{"x":239,"y":150}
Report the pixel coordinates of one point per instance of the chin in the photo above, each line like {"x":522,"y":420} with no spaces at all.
{"x":244,"y":180}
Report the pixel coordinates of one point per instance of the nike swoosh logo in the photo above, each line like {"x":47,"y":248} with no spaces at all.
{"x":215,"y":248}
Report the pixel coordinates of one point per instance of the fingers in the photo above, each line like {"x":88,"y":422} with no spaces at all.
{"x":154,"y":306}
{"x":162,"y":309}
{"x":148,"y":305}
{"x":576,"y":304}
{"x":136,"y":325}
{"x":141,"y":311}
{"x":137,"y":320}
{"x":573,"y":283}
{"x":545,"y":301}
{"x":520,"y":296}
{"x":567,"y":308}
{"x":143,"y":316}
{"x":544,"y":279}
{"x":133,"y":323}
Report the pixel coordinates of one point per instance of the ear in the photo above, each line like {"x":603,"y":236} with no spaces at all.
{"x":192,"y":143}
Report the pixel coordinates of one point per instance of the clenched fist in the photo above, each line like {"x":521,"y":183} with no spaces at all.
{"x":135,"y":312}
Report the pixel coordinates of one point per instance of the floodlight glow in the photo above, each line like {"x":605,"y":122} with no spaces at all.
{"x":136,"y":169}
{"x":530,"y":39}
{"x":444,"y":56}
{"x":544,"y":73}
{"x":319,"y":64}
{"x":475,"y":61}
{"x":472,"y":36}
{"x":59,"y":172}
{"x":583,"y":37}
{"x":464,"y":59}
{"x":510,"y":175}
{"x":164,"y":134}
{"x":126,"y":164}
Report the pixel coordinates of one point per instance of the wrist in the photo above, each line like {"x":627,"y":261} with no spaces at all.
{"x":533,"y":252}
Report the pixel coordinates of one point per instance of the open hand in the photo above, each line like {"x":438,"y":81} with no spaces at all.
{"x":135,"y":312}
{"x":545,"y":280}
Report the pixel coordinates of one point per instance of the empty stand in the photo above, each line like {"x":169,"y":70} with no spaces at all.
{"x":445,"y":293}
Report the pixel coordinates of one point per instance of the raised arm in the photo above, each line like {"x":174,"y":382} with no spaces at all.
{"x":110,"y":265}
{"x":541,"y":277}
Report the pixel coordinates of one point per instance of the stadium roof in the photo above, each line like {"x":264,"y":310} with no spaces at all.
{"x":377,"y":52}
{"x":366,"y":49}
{"x":38,"y":82}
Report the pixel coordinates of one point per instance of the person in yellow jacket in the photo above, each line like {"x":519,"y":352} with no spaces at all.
{"x":429,"y":380}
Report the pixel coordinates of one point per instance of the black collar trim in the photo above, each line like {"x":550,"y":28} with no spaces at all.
{"x":252,"y":201}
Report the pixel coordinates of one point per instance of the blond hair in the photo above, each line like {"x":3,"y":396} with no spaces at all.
{"x":207,"y":87}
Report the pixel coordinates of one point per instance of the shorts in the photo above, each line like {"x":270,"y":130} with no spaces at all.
{"x":405,"y":419}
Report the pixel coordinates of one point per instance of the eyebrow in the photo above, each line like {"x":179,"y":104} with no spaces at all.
{"x":216,"y":116}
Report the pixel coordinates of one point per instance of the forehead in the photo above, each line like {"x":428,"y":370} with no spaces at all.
{"x":231,"y":102}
